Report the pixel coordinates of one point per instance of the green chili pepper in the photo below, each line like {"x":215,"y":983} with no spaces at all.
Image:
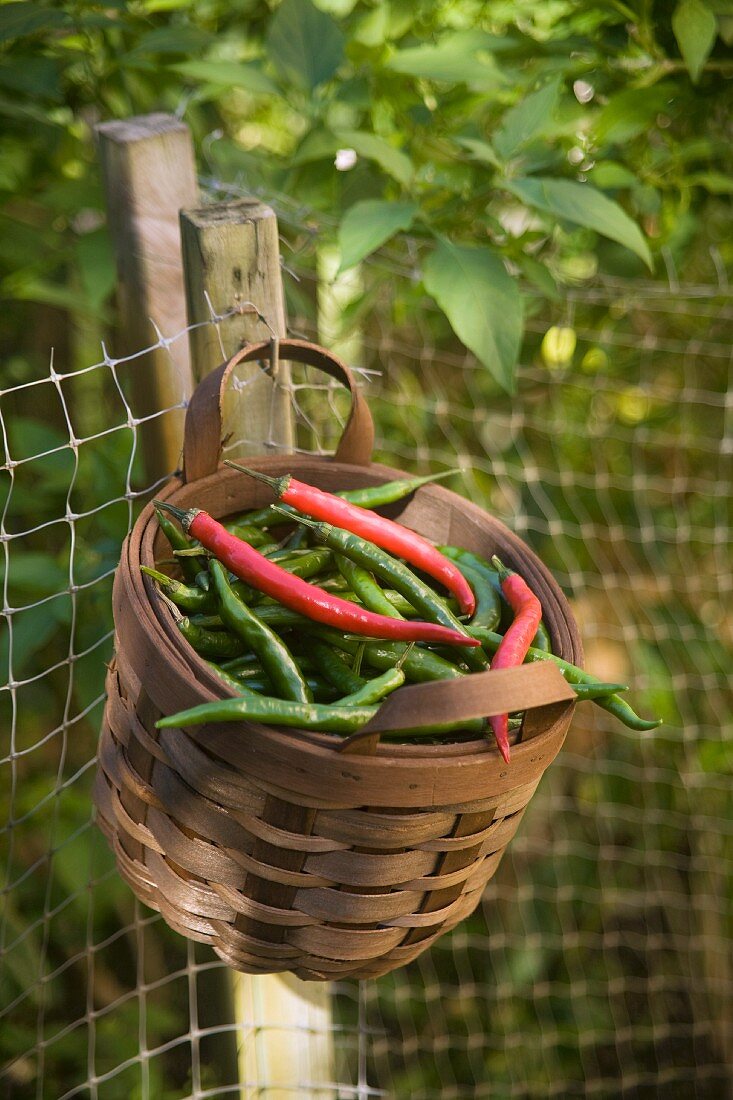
{"x":304,"y":563}
{"x":399,"y":603}
{"x":215,"y":644}
{"x":186,"y":596}
{"x":597,"y":690}
{"x":274,"y":614}
{"x":390,"y":491}
{"x":336,"y":583}
{"x":475,"y":726}
{"x":325,"y":717}
{"x":277,"y":660}
{"x":243,"y":666}
{"x":231,"y":681}
{"x":614,"y":704}
{"x":234,"y":665}
{"x":374,"y":690}
{"x":255,"y":536}
{"x":420,"y":665}
{"x":364,"y":586}
{"x":620,"y":709}
{"x":260,"y":517}
{"x":190,"y":565}
{"x":333,"y":667}
{"x":296,"y":539}
{"x":487,"y":593}
{"x":541,"y":639}
{"x":280,"y":618}
{"x":255,"y":679}
{"x":474,"y":561}
{"x":279,"y":712}
{"x":208,"y":622}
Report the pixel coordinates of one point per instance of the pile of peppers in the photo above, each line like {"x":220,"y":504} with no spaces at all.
{"x":314,"y":608}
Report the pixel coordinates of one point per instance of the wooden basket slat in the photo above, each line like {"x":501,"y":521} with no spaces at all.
{"x":257,"y":910}
{"x":188,"y":894}
{"x":337,"y":906}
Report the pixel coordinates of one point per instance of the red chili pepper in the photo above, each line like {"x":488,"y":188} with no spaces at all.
{"x":517,"y":639}
{"x":251,"y":566}
{"x":391,"y":536}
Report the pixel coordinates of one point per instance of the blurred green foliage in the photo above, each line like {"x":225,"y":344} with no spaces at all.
{"x":466,"y":130}
{"x":547,"y":140}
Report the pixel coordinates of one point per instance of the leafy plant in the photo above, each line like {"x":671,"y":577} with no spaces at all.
{"x":509,"y":142}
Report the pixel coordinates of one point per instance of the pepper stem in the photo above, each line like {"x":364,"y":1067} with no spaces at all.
{"x":500,"y":568}
{"x":297,"y":517}
{"x":184,"y":518}
{"x":408,"y":649}
{"x":277,"y":484}
{"x":318,"y":526}
{"x":162,"y":578}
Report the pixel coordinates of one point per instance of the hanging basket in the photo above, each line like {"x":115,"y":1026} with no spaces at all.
{"x":289,"y":850}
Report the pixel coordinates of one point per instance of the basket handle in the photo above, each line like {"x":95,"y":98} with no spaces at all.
{"x":202,"y":435}
{"x":529,"y":688}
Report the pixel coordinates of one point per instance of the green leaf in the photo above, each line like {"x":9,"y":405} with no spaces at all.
{"x":482,"y":303}
{"x":337,"y":7}
{"x":368,"y":224}
{"x":394,"y":162}
{"x":31,"y":289}
{"x":695,"y":28}
{"x":715,"y":182}
{"x":582,"y":204}
{"x":38,"y":77}
{"x":480,"y":151}
{"x":235,"y":74}
{"x":35,"y":572}
{"x":454,"y":60}
{"x":305,"y":44}
{"x":318,"y":144}
{"x":32,"y":630}
{"x":372,"y":29}
{"x":12,"y":108}
{"x":18,"y":20}
{"x":540,"y":277}
{"x":151,"y":6}
{"x":171,"y":39}
{"x":526,"y":119}
{"x":97,"y":269}
{"x":630,"y":113}
{"x":609,"y":175}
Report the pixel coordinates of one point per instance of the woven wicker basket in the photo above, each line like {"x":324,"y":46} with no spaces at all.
{"x":277,"y":847}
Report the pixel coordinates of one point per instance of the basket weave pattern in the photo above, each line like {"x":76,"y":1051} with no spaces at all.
{"x":315,"y":886}
{"x":271,"y":845}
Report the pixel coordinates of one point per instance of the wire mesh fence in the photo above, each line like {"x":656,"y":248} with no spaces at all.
{"x":598,"y":963}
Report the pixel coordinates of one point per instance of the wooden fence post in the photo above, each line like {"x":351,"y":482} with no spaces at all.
{"x":231,"y":262}
{"x":149,"y":174}
{"x":231,"y":257}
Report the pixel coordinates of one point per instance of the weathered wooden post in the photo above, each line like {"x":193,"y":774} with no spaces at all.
{"x":231,"y":264}
{"x":149,"y":174}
